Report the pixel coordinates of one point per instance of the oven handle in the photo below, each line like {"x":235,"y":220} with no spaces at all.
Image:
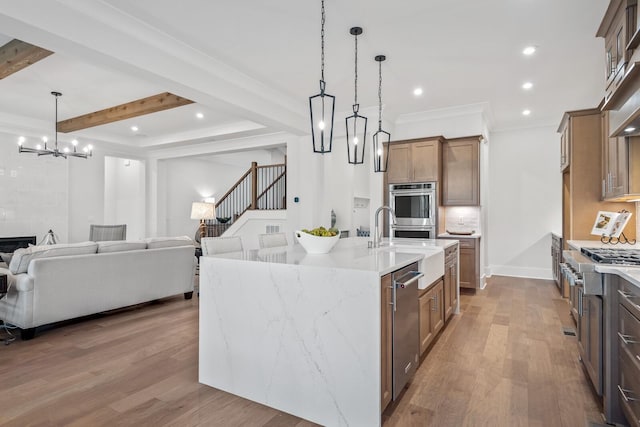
{"x":624,"y":392}
{"x":628,"y":297}
{"x":627,"y":339}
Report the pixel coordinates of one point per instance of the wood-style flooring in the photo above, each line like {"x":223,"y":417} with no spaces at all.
{"x":503,"y":362}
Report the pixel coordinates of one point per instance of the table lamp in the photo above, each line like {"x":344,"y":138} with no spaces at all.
{"x":203,"y":211}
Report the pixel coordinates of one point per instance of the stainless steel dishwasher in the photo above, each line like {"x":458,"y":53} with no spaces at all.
{"x":406,"y":324}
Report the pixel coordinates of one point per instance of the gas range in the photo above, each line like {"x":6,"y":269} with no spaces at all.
{"x":617,"y":256}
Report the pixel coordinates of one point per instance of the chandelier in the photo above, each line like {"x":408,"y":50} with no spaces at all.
{"x":43,"y":150}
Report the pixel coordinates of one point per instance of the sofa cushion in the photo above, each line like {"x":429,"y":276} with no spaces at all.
{"x":6,"y":257}
{"x":168,"y":242}
{"x":22,"y":257}
{"x":120,"y":245}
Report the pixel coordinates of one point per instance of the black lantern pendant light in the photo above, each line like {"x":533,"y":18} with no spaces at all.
{"x":321,"y":107}
{"x":356,"y":124}
{"x":381,"y":138}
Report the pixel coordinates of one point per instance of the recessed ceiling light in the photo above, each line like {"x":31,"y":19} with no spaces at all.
{"x":630,"y":129}
{"x":526,"y":112}
{"x":529,"y":50}
{"x":200,"y":115}
{"x":134,"y":128}
{"x":527,"y":85}
{"x":417,"y":91}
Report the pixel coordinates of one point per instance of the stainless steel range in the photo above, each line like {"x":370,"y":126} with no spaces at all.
{"x":597,"y":317}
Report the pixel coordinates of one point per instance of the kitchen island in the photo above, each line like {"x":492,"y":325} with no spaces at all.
{"x":301,"y":332}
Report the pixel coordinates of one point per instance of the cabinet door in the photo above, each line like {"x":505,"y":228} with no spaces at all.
{"x":426,"y":336}
{"x":467,"y":268}
{"x":425,"y":159}
{"x":437,"y":308}
{"x":604,"y":119}
{"x":450,"y":294}
{"x":461,"y":173}
{"x":594,"y":349}
{"x":386,"y":332}
{"x":399,"y":167}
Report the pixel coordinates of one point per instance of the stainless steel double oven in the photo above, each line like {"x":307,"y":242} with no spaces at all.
{"x":415,"y":206}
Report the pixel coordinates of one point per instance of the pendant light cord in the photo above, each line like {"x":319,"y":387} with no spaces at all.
{"x":355,"y":85}
{"x":322,"y":44}
{"x":55,"y":125}
{"x":379,"y":95}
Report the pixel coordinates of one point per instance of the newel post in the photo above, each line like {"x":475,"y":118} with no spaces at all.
{"x":254,"y":185}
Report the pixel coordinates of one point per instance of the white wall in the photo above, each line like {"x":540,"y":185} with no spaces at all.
{"x":182,"y":181}
{"x":34,"y":195}
{"x":525,"y":202}
{"x":124,"y":195}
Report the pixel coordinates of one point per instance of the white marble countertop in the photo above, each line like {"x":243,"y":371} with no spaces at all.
{"x":460,"y":236}
{"x":579,"y":244}
{"x":351,"y":253}
{"x":557,"y":234}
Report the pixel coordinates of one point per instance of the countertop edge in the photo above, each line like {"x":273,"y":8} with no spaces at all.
{"x":630,"y":274}
{"x":459,"y":236}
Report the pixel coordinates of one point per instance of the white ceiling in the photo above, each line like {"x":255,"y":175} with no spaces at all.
{"x":251,"y":65}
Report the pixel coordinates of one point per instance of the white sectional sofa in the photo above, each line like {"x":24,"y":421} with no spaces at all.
{"x":49,"y":284}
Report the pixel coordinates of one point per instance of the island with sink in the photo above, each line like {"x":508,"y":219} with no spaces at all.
{"x":309,"y":334}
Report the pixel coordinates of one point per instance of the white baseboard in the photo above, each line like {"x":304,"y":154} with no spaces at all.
{"x":528,"y":272}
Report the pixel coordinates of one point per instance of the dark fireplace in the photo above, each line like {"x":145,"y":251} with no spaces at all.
{"x":10,"y":244}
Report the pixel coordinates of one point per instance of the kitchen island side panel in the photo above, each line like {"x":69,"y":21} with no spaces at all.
{"x":301,"y":339}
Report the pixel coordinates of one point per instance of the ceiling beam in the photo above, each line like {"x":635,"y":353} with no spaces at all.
{"x":16,"y":55}
{"x":140,"y":107}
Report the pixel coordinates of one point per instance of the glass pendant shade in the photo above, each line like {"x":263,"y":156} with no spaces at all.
{"x":381,"y":141}
{"x":356,"y":136}
{"x":321,"y":108}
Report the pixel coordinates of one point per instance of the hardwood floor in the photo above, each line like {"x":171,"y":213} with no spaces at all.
{"x":503,"y":362}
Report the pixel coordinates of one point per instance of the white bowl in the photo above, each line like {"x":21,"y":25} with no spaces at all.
{"x":316,"y":244}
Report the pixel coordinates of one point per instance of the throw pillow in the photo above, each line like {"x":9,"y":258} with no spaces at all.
{"x":6,"y":257}
{"x":22,"y":257}
{"x":120,"y":246}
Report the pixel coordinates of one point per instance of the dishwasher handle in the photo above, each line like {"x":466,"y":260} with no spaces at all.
{"x":401,"y":283}
{"x":413,"y":276}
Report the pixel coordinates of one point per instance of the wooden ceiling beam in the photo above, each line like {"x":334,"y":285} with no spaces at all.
{"x":140,"y":107}
{"x":16,"y":55}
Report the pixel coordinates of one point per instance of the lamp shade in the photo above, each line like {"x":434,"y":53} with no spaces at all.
{"x":203,"y":210}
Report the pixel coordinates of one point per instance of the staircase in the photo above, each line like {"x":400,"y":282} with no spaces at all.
{"x":259,"y":188}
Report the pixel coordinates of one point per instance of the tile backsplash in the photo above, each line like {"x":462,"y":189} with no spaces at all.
{"x":462,"y":218}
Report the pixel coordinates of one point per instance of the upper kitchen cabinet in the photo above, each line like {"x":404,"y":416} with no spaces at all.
{"x":416,"y":160}
{"x":619,"y":28}
{"x":461,"y":172}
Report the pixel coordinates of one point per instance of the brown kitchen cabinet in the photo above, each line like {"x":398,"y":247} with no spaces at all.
{"x":461,"y":172}
{"x":469,"y":261}
{"x":618,"y":28}
{"x":386,"y":340}
{"x":450,"y":281}
{"x":416,"y":160}
{"x":431,"y":314}
{"x":628,"y":381}
{"x":582,"y":180}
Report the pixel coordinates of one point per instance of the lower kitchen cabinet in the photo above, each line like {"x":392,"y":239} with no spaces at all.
{"x":629,"y":353}
{"x":469,"y":261}
{"x":450,"y":281}
{"x":590,"y":336}
{"x":386,"y":340}
{"x":431,"y":314}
